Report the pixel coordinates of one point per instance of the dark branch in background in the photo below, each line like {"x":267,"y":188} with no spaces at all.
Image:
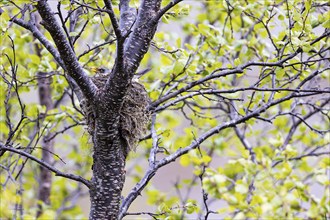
{"x":90,"y":7}
{"x":218,"y":73}
{"x":45,"y":181}
{"x":31,"y":146}
{"x":75,"y":38}
{"x":312,"y":153}
{"x":46,"y":165}
{"x":73,"y":198}
{"x":233,"y":114}
{"x":40,"y":148}
{"x":230,"y":9}
{"x":54,"y":135}
{"x":153,"y":44}
{"x":34,"y":137}
{"x":230,"y":91}
{"x":10,"y":176}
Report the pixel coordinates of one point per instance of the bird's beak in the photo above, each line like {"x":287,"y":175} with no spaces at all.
{"x":94,"y":69}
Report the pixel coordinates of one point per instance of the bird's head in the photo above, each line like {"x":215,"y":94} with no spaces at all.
{"x":100,"y":70}
{"x":103,"y":71}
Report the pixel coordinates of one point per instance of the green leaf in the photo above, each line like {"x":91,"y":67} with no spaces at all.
{"x":241,"y":188}
{"x":237,"y":62}
{"x":204,"y":29}
{"x":185,"y":160}
{"x":206,"y":159}
{"x":165,"y":19}
{"x":179,"y":65}
{"x":190,"y":208}
{"x":326,"y":24}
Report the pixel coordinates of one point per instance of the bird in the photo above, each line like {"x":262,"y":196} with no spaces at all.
{"x":104,"y":72}
{"x":101,"y":75}
{"x":100,"y":70}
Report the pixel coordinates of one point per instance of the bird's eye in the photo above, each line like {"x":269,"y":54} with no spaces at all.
{"x":101,"y":70}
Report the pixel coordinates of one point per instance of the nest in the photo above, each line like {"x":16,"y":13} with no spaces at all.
{"x":134,"y":116}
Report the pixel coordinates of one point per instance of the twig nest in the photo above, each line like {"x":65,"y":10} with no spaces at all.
{"x":134,"y":116}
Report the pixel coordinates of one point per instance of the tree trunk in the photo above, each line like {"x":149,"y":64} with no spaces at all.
{"x":110,"y":152}
{"x":45,"y":181}
{"x":110,"y":142}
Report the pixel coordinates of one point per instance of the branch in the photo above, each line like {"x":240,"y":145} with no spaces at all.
{"x":51,"y":49}
{"x":120,"y":39}
{"x":221,"y":73}
{"x":43,"y":40}
{"x":326,"y":34}
{"x":201,"y":179}
{"x":59,"y":11}
{"x":218,"y":128}
{"x":132,"y":53}
{"x":12,"y":84}
{"x":113,"y":19}
{"x":167,"y":8}
{"x":95,"y":47}
{"x":154,"y":149}
{"x":303,"y":156}
{"x":127,"y":17}
{"x":155,"y":215}
{"x":143,"y":31}
{"x":230,"y":91}
{"x":46,"y":165}
{"x":241,"y":136}
{"x":54,"y":135}
{"x":171,"y":158}
{"x":296,"y":124}
{"x":194,"y":83}
{"x":68,"y":56}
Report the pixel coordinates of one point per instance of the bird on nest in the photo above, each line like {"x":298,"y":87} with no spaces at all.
{"x":103,"y":72}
